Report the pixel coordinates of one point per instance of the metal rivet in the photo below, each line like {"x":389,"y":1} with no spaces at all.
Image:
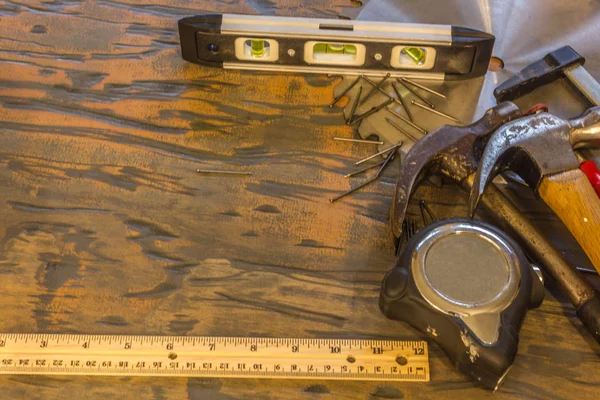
{"x":291,"y":52}
{"x":378,"y":57}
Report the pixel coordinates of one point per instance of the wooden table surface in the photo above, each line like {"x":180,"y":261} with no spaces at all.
{"x":106,"y":228}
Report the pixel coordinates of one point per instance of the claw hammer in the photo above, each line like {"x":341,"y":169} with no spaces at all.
{"x":564,"y":62}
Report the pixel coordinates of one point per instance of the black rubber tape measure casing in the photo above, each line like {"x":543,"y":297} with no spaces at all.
{"x":485,"y":363}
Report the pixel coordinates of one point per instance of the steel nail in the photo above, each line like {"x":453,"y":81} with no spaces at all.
{"x":371,"y":111}
{"x":354,"y":106}
{"x":389,"y":96}
{"x":441,"y":114}
{"x":425,"y":88}
{"x":425,"y":209}
{"x":365,"y":169}
{"x":423,"y":99}
{"x":374,"y":89}
{"x":214,"y":171}
{"x":389,"y":158}
{"x":402,"y":101}
{"x":335,"y":100}
{"x":357,"y":140}
{"x":399,"y":144}
{"x":402,"y":131}
{"x":417,"y":127}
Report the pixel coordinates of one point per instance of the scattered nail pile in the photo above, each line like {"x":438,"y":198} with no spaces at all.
{"x":360,"y":100}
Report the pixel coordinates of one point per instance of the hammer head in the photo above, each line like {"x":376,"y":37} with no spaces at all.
{"x":533,"y":147}
{"x":548,"y":69}
{"x":451,"y":150}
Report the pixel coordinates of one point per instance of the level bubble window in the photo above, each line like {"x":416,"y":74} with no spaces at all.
{"x":256,"y":49}
{"x":334,"y":53}
{"x":413,"y":57}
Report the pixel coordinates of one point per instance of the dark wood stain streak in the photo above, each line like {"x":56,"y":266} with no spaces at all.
{"x":281,"y":308}
{"x":35,"y":208}
{"x":106,"y":228}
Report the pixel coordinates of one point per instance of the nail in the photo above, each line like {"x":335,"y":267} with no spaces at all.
{"x":365,"y":169}
{"x":214,"y":171}
{"x":371,"y":111}
{"x":423,"y":99}
{"x":402,"y":131}
{"x":441,"y":114}
{"x":402,"y":101}
{"x":389,"y":158}
{"x":357,"y":140}
{"x":375,"y":88}
{"x":417,"y":127}
{"x":425,"y":209}
{"x":354,"y":105}
{"x":389,"y":96}
{"x":425,"y":88}
{"x":344,"y":92}
{"x":399,"y":144}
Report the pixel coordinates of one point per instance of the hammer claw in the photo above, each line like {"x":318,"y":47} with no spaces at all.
{"x":539,"y":148}
{"x":452,"y":150}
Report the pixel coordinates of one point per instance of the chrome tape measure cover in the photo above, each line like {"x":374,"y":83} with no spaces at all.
{"x":335,"y":46}
{"x":467,"y":285}
{"x":468,"y":271}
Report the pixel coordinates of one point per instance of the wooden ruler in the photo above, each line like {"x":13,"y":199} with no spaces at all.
{"x":46,"y":354}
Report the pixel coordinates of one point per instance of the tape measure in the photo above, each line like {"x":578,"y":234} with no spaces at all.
{"x":226,"y":357}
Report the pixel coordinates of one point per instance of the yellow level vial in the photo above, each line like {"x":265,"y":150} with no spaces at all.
{"x":233,"y":357}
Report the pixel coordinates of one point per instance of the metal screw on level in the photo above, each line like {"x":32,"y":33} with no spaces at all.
{"x":377,"y":57}
{"x":291,"y":52}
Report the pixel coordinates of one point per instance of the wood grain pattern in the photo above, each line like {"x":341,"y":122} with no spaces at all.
{"x":571,"y":196}
{"x":106,"y":228}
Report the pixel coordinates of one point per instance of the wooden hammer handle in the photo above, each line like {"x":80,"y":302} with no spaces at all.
{"x":571,"y":196}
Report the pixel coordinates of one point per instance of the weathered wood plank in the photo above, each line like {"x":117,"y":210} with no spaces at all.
{"x":106,"y":228}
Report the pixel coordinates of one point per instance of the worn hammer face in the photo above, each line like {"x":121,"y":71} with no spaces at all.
{"x":451,"y":150}
{"x":533,"y":147}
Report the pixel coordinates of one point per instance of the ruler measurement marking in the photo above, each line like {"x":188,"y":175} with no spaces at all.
{"x":210,"y":356}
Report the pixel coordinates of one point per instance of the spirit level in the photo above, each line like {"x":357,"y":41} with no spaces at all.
{"x":346,"y":359}
{"x":335,"y":46}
